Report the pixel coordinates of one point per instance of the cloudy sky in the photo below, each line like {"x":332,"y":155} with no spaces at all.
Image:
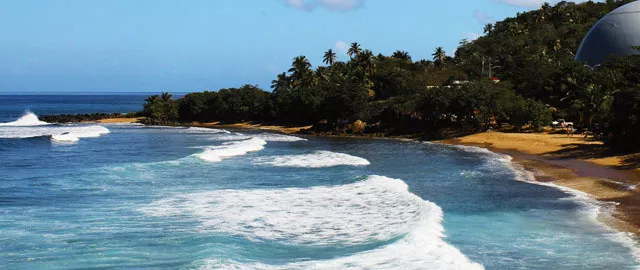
{"x":184,"y":46}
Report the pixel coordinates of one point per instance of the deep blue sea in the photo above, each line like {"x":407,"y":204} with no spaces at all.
{"x":134,"y":197}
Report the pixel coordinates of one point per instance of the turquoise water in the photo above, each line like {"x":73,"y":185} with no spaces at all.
{"x":135,"y":197}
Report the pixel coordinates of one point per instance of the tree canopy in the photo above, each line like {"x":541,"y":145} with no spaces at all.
{"x":532,"y":54}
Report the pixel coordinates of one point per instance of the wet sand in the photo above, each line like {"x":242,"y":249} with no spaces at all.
{"x":574,"y":162}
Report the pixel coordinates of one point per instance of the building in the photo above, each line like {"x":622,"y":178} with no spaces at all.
{"x":617,"y":33}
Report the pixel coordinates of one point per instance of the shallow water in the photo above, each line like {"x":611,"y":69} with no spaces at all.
{"x":179,"y":198}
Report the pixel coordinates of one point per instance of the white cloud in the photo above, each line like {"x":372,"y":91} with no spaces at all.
{"x":300,"y":4}
{"x":341,"y":5}
{"x":342,"y":47}
{"x":483,"y":17}
{"x":335,"y":5}
{"x":533,"y":3}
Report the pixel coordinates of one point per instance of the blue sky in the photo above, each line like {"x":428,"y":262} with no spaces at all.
{"x":184,"y":46}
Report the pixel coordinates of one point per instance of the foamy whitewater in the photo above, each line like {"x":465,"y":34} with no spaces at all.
{"x":231,"y":149}
{"x":29,"y":126}
{"x":269,"y":137}
{"x":318,"y":159}
{"x":378,"y":209}
{"x":29,"y":119}
{"x":199,"y":198}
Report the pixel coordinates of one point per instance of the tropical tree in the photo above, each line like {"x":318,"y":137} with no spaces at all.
{"x":367,"y":61}
{"x":165,"y":96}
{"x":439,"y":56}
{"x":488,"y":28}
{"x":354,"y":49}
{"x":281,"y":82}
{"x":300,"y":71}
{"x":402,"y":55}
{"x":161,"y":107}
{"x":329,"y":57}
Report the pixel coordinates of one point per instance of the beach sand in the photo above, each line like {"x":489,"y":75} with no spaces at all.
{"x":119,"y":120}
{"x":575,"y":162}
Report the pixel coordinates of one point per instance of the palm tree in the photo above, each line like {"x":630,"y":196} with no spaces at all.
{"x":329,"y":57}
{"x":354,"y":50}
{"x":488,"y":28}
{"x":402,"y":55}
{"x":439,"y":56}
{"x":280,"y":83}
{"x":369,"y":61}
{"x":165,"y":96}
{"x":300,"y":68}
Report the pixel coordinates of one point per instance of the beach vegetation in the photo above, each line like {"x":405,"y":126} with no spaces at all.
{"x":521,"y":73}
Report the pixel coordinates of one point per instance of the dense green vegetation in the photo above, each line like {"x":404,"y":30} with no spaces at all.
{"x":532,"y":54}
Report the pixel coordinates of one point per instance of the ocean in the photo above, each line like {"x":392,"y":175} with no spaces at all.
{"x":124,"y":196}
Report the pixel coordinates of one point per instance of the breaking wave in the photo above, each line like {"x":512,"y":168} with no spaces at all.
{"x":269,"y":137}
{"x":318,"y":159}
{"x":28,"y":126}
{"x":375,"y":210}
{"x":231,"y":149}
{"x":28,"y":119}
{"x":200,"y":130}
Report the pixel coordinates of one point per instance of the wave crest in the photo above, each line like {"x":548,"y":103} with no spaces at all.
{"x":28,"y":119}
{"x":231,"y":149}
{"x":318,"y":159}
{"x":369,"y":211}
{"x":75,"y":133}
{"x":269,"y":137}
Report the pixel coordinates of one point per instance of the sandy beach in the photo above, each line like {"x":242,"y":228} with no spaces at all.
{"x":120,"y":120}
{"x":575,"y":162}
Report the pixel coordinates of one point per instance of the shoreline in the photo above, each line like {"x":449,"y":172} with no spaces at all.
{"x":117,"y":120}
{"x":548,"y":157}
{"x":600,"y":181}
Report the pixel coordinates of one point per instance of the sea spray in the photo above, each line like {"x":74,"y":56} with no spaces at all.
{"x":28,"y":119}
{"x":29,"y":126}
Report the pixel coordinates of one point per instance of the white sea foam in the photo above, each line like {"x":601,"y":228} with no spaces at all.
{"x":318,"y":159}
{"x":376,"y":209}
{"x":231,"y":149}
{"x":75,"y":133}
{"x":269,"y":137}
{"x":80,"y":131}
{"x":200,"y":130}
{"x":29,"y":126}
{"x":28,"y":119}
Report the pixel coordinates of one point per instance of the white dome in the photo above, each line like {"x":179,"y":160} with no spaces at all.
{"x":616,"y":33}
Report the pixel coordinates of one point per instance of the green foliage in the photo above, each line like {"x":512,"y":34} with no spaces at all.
{"x":622,"y":77}
{"x":532,"y":54}
{"x":161,"y":107}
